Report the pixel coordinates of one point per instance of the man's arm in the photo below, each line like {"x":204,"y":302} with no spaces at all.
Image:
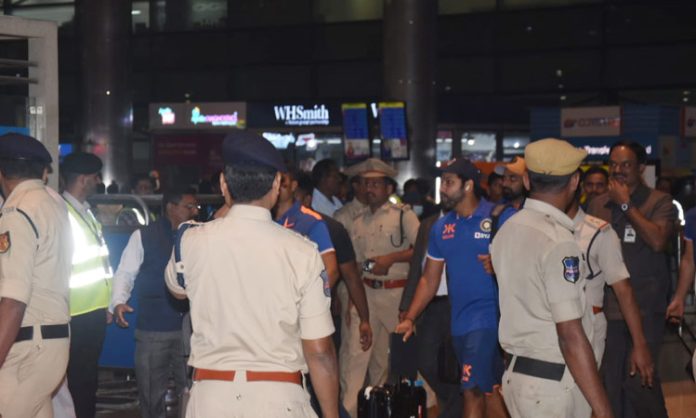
{"x":124,"y":278}
{"x":426,"y":290}
{"x":331,"y":266}
{"x":12,"y":313}
{"x":415,"y":269}
{"x":384,"y":262}
{"x":356,"y":292}
{"x":640,"y":357}
{"x":686,"y":280}
{"x":170,"y":278}
{"x":320,"y":355}
{"x":578,"y":356}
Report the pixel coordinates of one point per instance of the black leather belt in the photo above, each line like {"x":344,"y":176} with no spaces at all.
{"x":48,"y":332}
{"x":539,"y":368}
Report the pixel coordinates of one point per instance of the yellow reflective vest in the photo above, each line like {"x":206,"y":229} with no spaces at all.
{"x":90,"y":280}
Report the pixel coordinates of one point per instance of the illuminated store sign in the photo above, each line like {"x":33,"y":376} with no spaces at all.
{"x":298,"y":115}
{"x":198,"y":116}
{"x":591,"y":121}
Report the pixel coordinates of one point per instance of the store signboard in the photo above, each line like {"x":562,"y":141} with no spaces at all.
{"x":356,"y":134}
{"x":590,"y":121}
{"x":392,"y":124}
{"x":289,"y":115}
{"x":198,"y":116}
{"x":688,"y":122}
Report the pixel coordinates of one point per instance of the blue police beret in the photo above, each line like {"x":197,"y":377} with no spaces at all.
{"x":81,"y":163}
{"x":14,"y":146}
{"x":464,"y":167}
{"x":244,"y":147}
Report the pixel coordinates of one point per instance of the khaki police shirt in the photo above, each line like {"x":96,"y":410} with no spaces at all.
{"x":35,"y":261}
{"x":378,"y":233}
{"x":602,"y":258}
{"x":541,"y":281}
{"x":256,"y":290}
{"x":349,"y":212}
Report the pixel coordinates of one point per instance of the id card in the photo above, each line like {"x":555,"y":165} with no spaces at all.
{"x":629,"y":234}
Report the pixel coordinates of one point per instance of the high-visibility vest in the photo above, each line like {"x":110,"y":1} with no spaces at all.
{"x":90,"y":280}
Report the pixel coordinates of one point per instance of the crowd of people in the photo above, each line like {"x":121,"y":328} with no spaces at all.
{"x":546,"y":283}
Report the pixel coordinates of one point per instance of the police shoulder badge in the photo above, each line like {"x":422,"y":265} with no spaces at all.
{"x":327,"y":285}
{"x":5,"y":242}
{"x":571,"y":269}
{"x":486,"y":225}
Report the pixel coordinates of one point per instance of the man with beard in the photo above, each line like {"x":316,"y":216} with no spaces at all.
{"x":514,"y":192}
{"x":644,"y":220}
{"x":457,"y":240}
{"x":594,"y":183}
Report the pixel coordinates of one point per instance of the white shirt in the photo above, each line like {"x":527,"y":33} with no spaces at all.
{"x":128,"y":268}
{"x":323,"y":204}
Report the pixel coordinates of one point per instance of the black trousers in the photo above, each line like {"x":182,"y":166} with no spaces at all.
{"x":433,"y":329}
{"x":87,"y":336}
{"x":627,"y":397}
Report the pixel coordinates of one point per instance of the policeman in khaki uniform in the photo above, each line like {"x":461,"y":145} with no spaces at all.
{"x":383,"y":238}
{"x":544,"y":322}
{"x":259,"y":300}
{"x":35,"y":263}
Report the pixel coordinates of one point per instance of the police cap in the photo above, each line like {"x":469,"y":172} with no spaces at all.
{"x":81,"y":163}
{"x":463,"y":167}
{"x":14,"y":146}
{"x":244,"y":147}
{"x":372,"y":167}
{"x":553,"y":157}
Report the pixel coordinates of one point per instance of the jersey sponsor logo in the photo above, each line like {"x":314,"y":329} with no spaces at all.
{"x":486,"y":225}
{"x":448,"y":231}
{"x":327,"y":285}
{"x":571,"y":269}
{"x":482,"y":235}
{"x":466,"y":372}
{"x":5,"y":242}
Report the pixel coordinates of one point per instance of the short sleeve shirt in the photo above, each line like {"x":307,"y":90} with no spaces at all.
{"x":309,"y":223}
{"x":458,"y":241}
{"x":540,"y":278}
{"x":349,"y":213}
{"x":256,"y":290}
{"x":341,"y":241}
{"x":383,"y":232}
{"x":36,"y":254}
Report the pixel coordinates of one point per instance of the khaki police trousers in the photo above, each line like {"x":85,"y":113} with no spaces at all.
{"x":533,"y":397}
{"x":241,"y":399}
{"x":30,"y":374}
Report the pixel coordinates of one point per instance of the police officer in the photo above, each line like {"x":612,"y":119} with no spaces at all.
{"x":35,"y":256}
{"x":259,"y":300}
{"x":383,"y":237}
{"x":459,"y":238}
{"x":543,"y":323}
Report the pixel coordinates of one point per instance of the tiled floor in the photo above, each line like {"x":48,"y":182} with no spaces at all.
{"x":680,"y":398}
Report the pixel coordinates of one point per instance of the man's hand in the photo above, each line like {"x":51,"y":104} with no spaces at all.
{"x":365,"y":335}
{"x":675,"y":310}
{"x":402,"y":316}
{"x":405,"y":327}
{"x":485,"y":259}
{"x":641,"y":361}
{"x":382,"y":265}
{"x":109,"y":320}
{"x":119,"y":312}
{"x":618,"y":192}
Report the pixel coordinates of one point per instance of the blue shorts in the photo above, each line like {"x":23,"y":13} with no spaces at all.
{"x":480,"y":359}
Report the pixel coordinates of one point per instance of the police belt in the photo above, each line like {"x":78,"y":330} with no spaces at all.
{"x":538,"y":368}
{"x":251,"y":376}
{"x":385,"y":284}
{"x":48,"y":332}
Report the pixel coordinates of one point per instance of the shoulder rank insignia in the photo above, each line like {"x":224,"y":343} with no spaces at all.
{"x":5,"y":242}
{"x":571,"y":269}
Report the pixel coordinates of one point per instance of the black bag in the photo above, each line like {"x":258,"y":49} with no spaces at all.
{"x":402,"y":358}
{"x":409,"y":400}
{"x":447,"y":363}
{"x":375,"y":402}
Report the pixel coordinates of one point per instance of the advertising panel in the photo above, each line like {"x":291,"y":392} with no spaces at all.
{"x":198,"y":116}
{"x":688,"y":122}
{"x":356,"y":134}
{"x":590,"y":121}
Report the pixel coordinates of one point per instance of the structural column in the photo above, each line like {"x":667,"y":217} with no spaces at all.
{"x":104,"y":28}
{"x":409,"y":54}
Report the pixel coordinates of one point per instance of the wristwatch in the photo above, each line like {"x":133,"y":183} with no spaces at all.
{"x":625,"y":207}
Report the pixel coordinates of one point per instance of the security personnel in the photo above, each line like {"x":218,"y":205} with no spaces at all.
{"x":544,"y":324}
{"x":383,"y":238}
{"x":259,"y":300}
{"x":35,"y":254}
{"x":351,"y":210}
{"x":459,"y":239}
{"x":90,"y":281}
{"x":604,"y":265}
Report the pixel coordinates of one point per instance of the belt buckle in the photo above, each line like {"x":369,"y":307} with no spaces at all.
{"x":378,"y":284}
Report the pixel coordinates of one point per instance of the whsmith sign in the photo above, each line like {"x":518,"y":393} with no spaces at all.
{"x":293,"y":115}
{"x":198,"y":116}
{"x":298,"y":115}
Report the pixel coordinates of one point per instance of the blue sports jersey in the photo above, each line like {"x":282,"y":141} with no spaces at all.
{"x":309,"y":223}
{"x":458,"y":242}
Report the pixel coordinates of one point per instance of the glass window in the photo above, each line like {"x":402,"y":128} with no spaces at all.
{"x":140,"y":16}
{"x":513,"y":144}
{"x":443,"y":146}
{"x":478,"y":146}
{"x":58,"y":14}
{"x":209,"y":14}
{"x":519,"y":4}
{"x":347,"y":10}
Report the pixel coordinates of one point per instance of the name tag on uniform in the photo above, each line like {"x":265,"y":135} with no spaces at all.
{"x":629,"y":234}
